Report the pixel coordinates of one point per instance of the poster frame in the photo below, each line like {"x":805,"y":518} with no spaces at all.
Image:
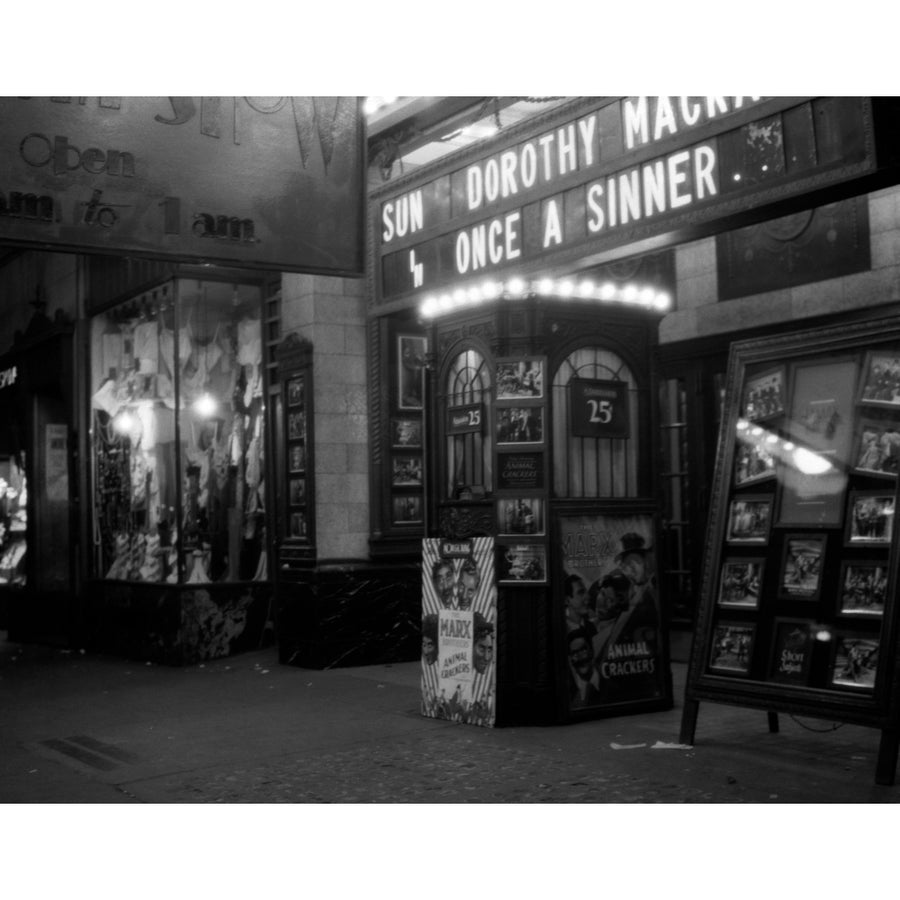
{"x":807,"y":350}
{"x":614,"y":511}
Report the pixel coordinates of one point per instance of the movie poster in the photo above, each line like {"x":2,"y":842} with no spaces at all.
{"x":608,"y":591}
{"x":459,"y":621}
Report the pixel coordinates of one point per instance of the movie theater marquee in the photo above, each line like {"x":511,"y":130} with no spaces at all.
{"x":626,"y":170}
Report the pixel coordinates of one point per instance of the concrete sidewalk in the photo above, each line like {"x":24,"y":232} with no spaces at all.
{"x":84,"y":729}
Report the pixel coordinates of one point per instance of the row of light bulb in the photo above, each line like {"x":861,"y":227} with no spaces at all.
{"x":125,"y":421}
{"x":805,"y":460}
{"x":563,"y":289}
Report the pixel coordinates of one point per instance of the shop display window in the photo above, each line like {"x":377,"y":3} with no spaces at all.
{"x":13,"y":521}
{"x":177,"y":410}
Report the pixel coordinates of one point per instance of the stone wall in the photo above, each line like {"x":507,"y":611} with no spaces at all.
{"x":330,"y":312}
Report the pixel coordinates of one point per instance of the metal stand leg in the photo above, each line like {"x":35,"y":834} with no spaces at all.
{"x":886,"y":768}
{"x":689,"y":721}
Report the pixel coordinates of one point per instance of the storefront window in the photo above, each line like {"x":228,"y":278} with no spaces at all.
{"x":177,"y":410}
{"x":13,"y":521}
{"x":468,"y":452}
{"x":588,"y":466}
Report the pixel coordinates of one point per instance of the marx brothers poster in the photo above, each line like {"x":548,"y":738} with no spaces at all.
{"x":613,"y":641}
{"x":459,"y":616}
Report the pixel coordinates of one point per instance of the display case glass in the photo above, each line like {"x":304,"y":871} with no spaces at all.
{"x":177,"y":409}
{"x":800,"y":572}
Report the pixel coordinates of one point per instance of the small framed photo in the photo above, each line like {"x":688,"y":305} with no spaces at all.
{"x":870,"y":519}
{"x":855,"y":661}
{"x":296,"y":458}
{"x":411,"y":371}
{"x":763,"y":395}
{"x":296,"y":425}
{"x":298,"y":525}
{"x":740,"y":583}
{"x":519,"y":379}
{"x":406,"y":471}
{"x":749,"y":520}
{"x":792,"y":650}
{"x":520,"y":425}
{"x":801,"y":566}
{"x":297,"y":491}
{"x":752,"y":463}
{"x":407,"y":509}
{"x":863,"y":588}
{"x":880,"y":384}
{"x":520,"y":515}
{"x":877,"y":449}
{"x":406,"y":434}
{"x":295,"y":391}
{"x":522,"y":563}
{"x":732,"y":647}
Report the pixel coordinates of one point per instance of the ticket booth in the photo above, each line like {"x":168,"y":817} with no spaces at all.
{"x":539,"y":412}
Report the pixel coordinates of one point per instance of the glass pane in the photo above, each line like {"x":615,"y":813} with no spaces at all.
{"x":133,"y":423}
{"x":469,"y":455}
{"x":221,"y":410}
{"x":196,"y":347}
{"x":589,"y":467}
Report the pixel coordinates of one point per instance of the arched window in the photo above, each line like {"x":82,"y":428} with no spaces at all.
{"x":468,"y":459}
{"x":593,"y":467}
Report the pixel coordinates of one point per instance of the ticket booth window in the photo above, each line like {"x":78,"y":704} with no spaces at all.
{"x":468,"y":386}
{"x":588,"y":467}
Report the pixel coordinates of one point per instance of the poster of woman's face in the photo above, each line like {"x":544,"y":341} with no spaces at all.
{"x":406,"y":433}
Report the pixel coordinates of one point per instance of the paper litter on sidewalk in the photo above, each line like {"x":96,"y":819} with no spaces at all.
{"x":616,"y":746}
{"x":664,"y":745}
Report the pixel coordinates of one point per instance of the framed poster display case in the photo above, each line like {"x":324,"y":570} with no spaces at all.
{"x":296,"y":521}
{"x":797,"y":611}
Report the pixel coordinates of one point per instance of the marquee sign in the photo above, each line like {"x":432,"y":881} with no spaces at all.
{"x":269,"y":182}
{"x":608,"y":174}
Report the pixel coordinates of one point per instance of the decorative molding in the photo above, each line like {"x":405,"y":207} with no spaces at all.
{"x":467,"y":521}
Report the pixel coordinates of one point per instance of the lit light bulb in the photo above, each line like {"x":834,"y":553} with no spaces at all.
{"x":205,"y":405}
{"x":123,"y":423}
{"x":810,"y":463}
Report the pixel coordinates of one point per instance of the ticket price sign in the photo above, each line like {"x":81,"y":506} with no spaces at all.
{"x":598,"y":408}
{"x":466,"y":419}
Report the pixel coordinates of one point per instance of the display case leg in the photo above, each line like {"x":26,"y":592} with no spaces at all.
{"x":773,"y":721}
{"x":689,"y":721}
{"x":886,"y":768}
